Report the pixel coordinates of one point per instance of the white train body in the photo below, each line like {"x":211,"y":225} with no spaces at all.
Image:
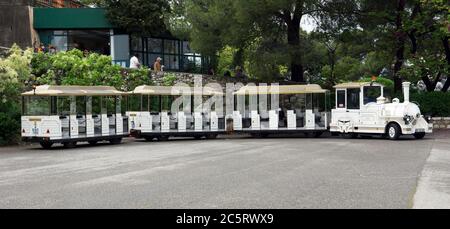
{"x":370,"y":117}
{"x":68,"y":114}
{"x":64,"y":114}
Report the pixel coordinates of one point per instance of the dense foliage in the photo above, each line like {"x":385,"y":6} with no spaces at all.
{"x":432,"y":103}
{"x":74,"y":68}
{"x":22,"y":69}
{"x":136,"y":16}
{"x":14,"y":73}
{"x":350,"y":40}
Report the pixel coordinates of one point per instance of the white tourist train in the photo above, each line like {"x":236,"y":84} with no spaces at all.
{"x":361,"y":108}
{"x":160,"y":112}
{"x":71,"y":114}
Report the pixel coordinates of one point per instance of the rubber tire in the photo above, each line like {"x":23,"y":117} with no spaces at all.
{"x":419,"y":135}
{"x":318,"y":134}
{"x":46,"y":145}
{"x":93,"y":143}
{"x":115,"y":141}
{"x":70,"y":145}
{"x":350,"y":135}
{"x":163,"y":138}
{"x":393,"y":132}
{"x":211,"y":136}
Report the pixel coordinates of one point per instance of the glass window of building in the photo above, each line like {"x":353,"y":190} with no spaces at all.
{"x":91,"y":40}
{"x":154,"y":45}
{"x":176,"y":55}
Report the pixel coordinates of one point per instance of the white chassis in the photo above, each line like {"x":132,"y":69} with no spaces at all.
{"x":393,"y":119}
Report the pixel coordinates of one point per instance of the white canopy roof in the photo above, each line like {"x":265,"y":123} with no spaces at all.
{"x":281,"y":89}
{"x":48,"y":90}
{"x":357,"y":85}
{"x":167,"y":90}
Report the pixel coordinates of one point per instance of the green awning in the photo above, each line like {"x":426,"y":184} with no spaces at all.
{"x":70,"y":18}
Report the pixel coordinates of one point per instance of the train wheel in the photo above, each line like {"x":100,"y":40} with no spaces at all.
{"x":93,"y":143}
{"x":318,"y":134}
{"x":115,"y":141}
{"x":350,"y":135}
{"x":211,"y":136}
{"x":70,"y":145}
{"x":163,"y":138}
{"x":419,"y":135}
{"x":393,"y":132}
{"x":46,"y":145}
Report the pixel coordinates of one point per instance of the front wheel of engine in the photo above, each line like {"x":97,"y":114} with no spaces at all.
{"x":393,"y":132}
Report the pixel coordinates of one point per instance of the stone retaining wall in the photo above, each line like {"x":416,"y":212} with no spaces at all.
{"x":188,"y":78}
{"x":441,"y":122}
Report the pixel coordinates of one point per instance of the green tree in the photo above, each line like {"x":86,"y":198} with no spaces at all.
{"x":14,"y":73}
{"x":241,"y":24}
{"x":137,"y":16}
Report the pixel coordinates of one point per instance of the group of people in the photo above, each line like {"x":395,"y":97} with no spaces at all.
{"x":45,"y":49}
{"x":136,"y":64}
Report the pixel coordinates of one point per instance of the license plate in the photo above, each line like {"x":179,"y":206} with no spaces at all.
{"x":35,"y":131}
{"x":420,"y":130}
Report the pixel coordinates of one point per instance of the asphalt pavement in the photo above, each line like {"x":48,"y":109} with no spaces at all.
{"x":236,"y":172}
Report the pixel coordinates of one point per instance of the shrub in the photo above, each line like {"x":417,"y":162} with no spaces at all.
{"x":169,"y":79}
{"x":14,"y":73}
{"x":436,"y":104}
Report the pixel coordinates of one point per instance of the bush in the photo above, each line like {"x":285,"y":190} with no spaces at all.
{"x":14,"y":73}
{"x":23,"y":68}
{"x":436,"y":104}
{"x":73,"y":68}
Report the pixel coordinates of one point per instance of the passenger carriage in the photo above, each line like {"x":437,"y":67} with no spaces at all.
{"x":281,"y":109}
{"x":361,"y":108}
{"x":71,"y":114}
{"x":160,"y":112}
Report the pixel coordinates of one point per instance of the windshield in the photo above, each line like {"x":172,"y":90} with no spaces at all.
{"x":371,"y":94}
{"x":36,"y":105}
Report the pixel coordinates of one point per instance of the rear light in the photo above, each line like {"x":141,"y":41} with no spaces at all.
{"x":23,"y":130}
{"x":48,"y":131}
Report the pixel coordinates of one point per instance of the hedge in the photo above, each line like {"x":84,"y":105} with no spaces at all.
{"x":436,"y":104}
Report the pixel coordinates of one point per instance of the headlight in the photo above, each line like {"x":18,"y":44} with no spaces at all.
{"x":408,"y":119}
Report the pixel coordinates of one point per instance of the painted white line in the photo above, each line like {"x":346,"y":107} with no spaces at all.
{"x":433,"y":191}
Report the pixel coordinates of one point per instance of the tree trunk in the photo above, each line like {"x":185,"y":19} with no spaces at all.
{"x":447,"y":55}
{"x":294,"y":49}
{"x":428,"y":83}
{"x":400,"y":45}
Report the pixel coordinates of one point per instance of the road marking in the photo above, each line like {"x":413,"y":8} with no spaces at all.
{"x":433,"y":191}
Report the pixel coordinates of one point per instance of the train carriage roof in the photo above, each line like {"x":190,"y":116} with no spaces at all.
{"x":281,"y":90}
{"x":175,"y":91}
{"x":48,"y":90}
{"x":356,"y":85}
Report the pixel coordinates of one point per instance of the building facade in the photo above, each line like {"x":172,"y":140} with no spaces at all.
{"x":66,"y":25}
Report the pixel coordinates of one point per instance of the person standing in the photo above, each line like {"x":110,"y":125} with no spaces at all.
{"x":134,"y":62}
{"x":157,"y":67}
